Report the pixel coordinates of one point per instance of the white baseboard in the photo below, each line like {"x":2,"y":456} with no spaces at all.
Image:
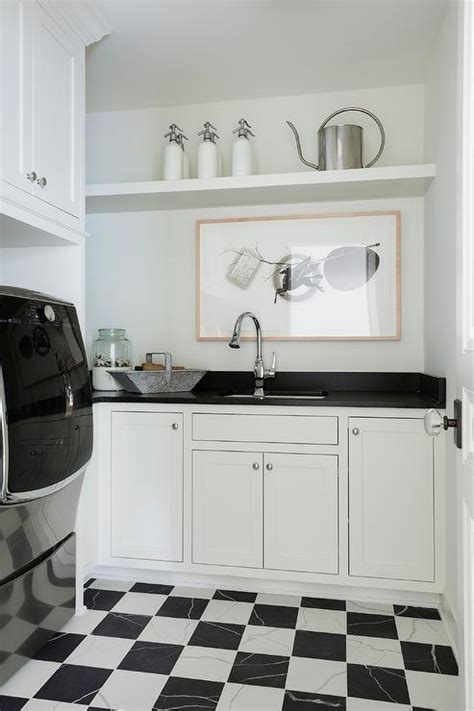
{"x":450,"y":622}
{"x":338,"y":592}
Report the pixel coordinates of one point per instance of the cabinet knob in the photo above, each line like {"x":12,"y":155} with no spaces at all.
{"x":175,"y":425}
{"x":31,"y":176}
{"x":42,"y":182}
{"x":269,"y":467}
{"x":355,"y":430}
{"x":255,"y":466}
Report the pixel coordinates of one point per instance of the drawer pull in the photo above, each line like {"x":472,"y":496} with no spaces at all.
{"x":175,"y":425}
{"x":355,"y":431}
{"x":31,"y":176}
{"x":269,"y":467}
{"x":255,"y":466}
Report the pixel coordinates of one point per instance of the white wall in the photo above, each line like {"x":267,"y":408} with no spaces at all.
{"x":127,"y":145}
{"x":141,"y":276}
{"x":442,"y":241}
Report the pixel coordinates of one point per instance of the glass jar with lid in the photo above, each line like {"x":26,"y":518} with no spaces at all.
{"x":112,"y":351}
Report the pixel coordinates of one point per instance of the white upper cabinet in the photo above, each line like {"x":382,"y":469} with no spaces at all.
{"x":391,"y":499}
{"x":58,"y":77}
{"x":301,"y":512}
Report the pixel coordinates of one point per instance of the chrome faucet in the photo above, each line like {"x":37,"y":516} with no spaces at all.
{"x":259,"y":370}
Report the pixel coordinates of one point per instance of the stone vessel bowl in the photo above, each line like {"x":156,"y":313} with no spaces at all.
{"x":158,"y":381}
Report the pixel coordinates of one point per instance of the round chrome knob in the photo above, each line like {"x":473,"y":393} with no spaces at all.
{"x":42,"y":182}
{"x":49,"y":313}
{"x":255,"y":466}
{"x":175,"y":425}
{"x":355,"y":431}
{"x":269,"y":467}
{"x":31,"y":176}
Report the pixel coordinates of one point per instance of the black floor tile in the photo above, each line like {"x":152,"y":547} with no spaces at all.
{"x":74,"y":684}
{"x":377,"y":683}
{"x":434,"y":658}
{"x":371,"y":625}
{"x":101,"y":599}
{"x":189,"y":694}
{"x":190,"y":608}
{"x":89,"y":582}
{"x":59,"y":647}
{"x":219,"y":635}
{"x":120,"y":624}
{"x":11,"y":703}
{"x":152,"y":588}
{"x":235,"y":596}
{"x":302,"y":701}
{"x":274,"y":616}
{"x":320,"y":645}
{"x":260,"y":670}
{"x":424,"y":613}
{"x":152,"y":657}
{"x":323,"y":603}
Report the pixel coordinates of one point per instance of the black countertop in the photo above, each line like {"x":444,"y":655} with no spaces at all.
{"x":398,"y":390}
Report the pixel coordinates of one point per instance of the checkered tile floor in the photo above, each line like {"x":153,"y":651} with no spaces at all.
{"x":141,"y":647}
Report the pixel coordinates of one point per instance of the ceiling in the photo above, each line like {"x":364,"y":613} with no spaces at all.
{"x":170,"y":52}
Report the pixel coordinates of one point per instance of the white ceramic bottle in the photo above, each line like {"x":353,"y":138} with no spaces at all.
{"x":186,"y":168}
{"x":173,"y":155}
{"x":242,"y":150}
{"x":208,"y":153}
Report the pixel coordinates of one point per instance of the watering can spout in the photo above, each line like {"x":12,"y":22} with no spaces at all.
{"x":298,"y":147}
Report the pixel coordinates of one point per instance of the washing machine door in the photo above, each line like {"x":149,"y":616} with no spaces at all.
{"x":45,"y":396}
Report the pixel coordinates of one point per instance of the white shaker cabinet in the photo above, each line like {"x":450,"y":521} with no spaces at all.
{"x":301,"y":512}
{"x":227,"y":508}
{"x":147,"y":485}
{"x":391,"y":499}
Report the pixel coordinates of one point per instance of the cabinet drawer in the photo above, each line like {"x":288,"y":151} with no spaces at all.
{"x":291,"y":429}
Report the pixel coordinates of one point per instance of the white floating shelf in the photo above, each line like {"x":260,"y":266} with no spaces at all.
{"x":307,"y":186}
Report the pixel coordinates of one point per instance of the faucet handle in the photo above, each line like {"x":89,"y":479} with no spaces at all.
{"x":272,"y":372}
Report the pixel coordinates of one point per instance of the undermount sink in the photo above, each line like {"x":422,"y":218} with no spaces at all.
{"x":310,"y":395}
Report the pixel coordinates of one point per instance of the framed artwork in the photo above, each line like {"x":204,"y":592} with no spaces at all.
{"x":306,"y":277}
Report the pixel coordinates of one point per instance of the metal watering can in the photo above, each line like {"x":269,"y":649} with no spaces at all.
{"x":340,"y":147}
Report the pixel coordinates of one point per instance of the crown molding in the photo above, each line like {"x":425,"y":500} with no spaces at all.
{"x":83,"y":17}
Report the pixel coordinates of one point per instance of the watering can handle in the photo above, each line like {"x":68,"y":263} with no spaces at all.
{"x":372,"y":116}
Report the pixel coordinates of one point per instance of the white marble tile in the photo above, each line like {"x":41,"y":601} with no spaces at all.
{"x":44,"y":705}
{"x":186,"y":591}
{"x":169,"y":630}
{"x":118,"y":585}
{"x":140,"y":603}
{"x":130,"y":691}
{"x":413,"y":629}
{"x":267,"y":640}
{"x":85,"y":623}
{"x":29,"y":679}
{"x":354,"y":704}
{"x":237,"y":613}
{"x":317,"y":676}
{"x":271,"y":599}
{"x":242,"y":697}
{"x":375,"y":651}
{"x":14,"y":633}
{"x":434,"y":691}
{"x":315,"y":620}
{"x":204,"y":663}
{"x":370,"y":608}
{"x":103,"y":652}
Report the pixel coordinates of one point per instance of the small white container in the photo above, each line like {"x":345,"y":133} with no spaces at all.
{"x":173,"y":155}
{"x":102,"y":380}
{"x":208,"y":153}
{"x":242,"y":150}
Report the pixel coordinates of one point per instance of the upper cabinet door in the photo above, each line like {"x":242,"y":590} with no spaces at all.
{"x":58,"y":75}
{"x":391,"y":499}
{"x":16,"y":97}
{"x":301,"y":512}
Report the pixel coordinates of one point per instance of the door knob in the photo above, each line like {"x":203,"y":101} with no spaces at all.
{"x":435,"y":422}
{"x":269,"y":467}
{"x":255,"y":466}
{"x":42,"y":182}
{"x":31,"y":176}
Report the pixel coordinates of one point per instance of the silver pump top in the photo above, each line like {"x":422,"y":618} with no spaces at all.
{"x":181,"y":138}
{"x":243,"y":129}
{"x":174,"y":133}
{"x":207,"y":134}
